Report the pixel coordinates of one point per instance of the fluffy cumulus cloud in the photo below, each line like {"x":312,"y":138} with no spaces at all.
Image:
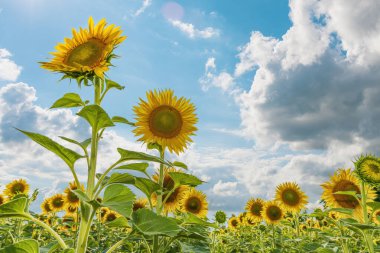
{"x":192,"y":32}
{"x":312,"y":105}
{"x":9,"y":70}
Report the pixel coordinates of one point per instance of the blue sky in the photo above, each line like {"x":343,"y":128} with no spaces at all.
{"x":280,"y":95}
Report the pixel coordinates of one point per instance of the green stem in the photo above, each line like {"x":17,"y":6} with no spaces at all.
{"x":367,"y":235}
{"x":273,"y":238}
{"x":50,"y":230}
{"x":297,"y":224}
{"x":159,"y":199}
{"x":116,"y":245}
{"x":98,"y":187}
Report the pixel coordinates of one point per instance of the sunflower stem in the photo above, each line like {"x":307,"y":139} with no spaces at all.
{"x":273,"y":238}
{"x":159,"y":199}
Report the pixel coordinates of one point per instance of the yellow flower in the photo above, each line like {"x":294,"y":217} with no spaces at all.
{"x":139,"y":203}
{"x":45,"y":206}
{"x":18,"y":186}
{"x":71,"y":198}
{"x":345,"y":180}
{"x":57,"y":203}
{"x":3,"y":199}
{"x":166,"y":120}
{"x":110,"y":216}
{"x":272,"y":212}
{"x":376,"y":217}
{"x":172,"y":202}
{"x":254,"y":207}
{"x":368,"y":169}
{"x":102,"y":212}
{"x":194,"y":202}
{"x":88,"y":51}
{"x":233,"y":223}
{"x":71,"y":210}
{"x":291,"y":197}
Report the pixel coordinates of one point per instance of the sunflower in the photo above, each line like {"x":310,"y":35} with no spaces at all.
{"x":194,"y":202}
{"x":241,"y":217}
{"x":272,"y":212}
{"x":102,"y":212}
{"x":57,"y":202}
{"x":233,"y":222}
{"x":139,"y":203}
{"x":88,"y":52}
{"x":71,"y":198}
{"x":45,"y":206}
{"x":18,"y":186}
{"x":376,"y":217}
{"x":3,"y":199}
{"x":367,"y":168}
{"x":251,"y":222}
{"x":172,"y":202}
{"x":345,"y":180}
{"x":110,"y":216}
{"x":254,"y":208}
{"x":290,"y":197}
{"x":166,"y":120}
{"x":71,"y":210}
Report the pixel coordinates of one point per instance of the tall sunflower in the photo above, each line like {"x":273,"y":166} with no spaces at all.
{"x":194,"y":202}
{"x":172,"y":202}
{"x":57,"y":202}
{"x":367,"y":168}
{"x":45,"y":207}
{"x":71,"y":198}
{"x":272,"y":212}
{"x":233,"y":222}
{"x":345,"y":180}
{"x":110,"y":216}
{"x":88,"y":52}
{"x":290,"y":196}
{"x":166,"y":120}
{"x":376,"y":217}
{"x":2,"y":199}
{"x":18,"y":186}
{"x":254,"y":207}
{"x":139,"y":203}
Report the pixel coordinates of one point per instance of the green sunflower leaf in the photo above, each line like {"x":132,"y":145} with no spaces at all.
{"x":181,"y":178}
{"x":179,"y":164}
{"x":149,"y":223}
{"x":147,"y":186}
{"x":96,"y":116}
{"x":113,"y":85}
{"x":119,"y":198}
{"x":14,"y":208}
{"x":67,"y":155}
{"x":69,"y":100}
{"x":141,"y":167}
{"x":127,"y":155}
{"x":25,"y":246}
{"x":118,"y":119}
{"x":118,"y":223}
{"x":374,"y":205}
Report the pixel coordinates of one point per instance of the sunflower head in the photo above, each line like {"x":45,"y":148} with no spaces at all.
{"x":139,"y":203}
{"x":18,"y":186}
{"x":172,"y":202}
{"x":194,"y":201}
{"x":88,"y":52}
{"x":376,"y":217}
{"x":166,"y":120}
{"x":45,"y":207}
{"x":233,"y":223}
{"x":57,"y":202}
{"x":345,"y":180}
{"x":291,"y":197}
{"x":71,"y":198}
{"x":254,"y":207}
{"x":2,"y":199}
{"x":367,"y":168}
{"x":103,"y":212}
{"x":71,"y":210}
{"x":272,"y":212}
{"x":110,"y":216}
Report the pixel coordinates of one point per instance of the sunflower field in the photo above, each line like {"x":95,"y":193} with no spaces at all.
{"x":105,"y":214}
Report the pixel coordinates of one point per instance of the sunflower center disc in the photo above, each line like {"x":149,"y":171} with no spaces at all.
{"x":274,"y":213}
{"x":57,"y":203}
{"x":165,"y":121}
{"x":86,"y":54}
{"x":72,"y":197}
{"x":18,"y":188}
{"x":111,"y":217}
{"x":234,"y":223}
{"x":193,"y":205}
{"x":374,"y":168}
{"x":290,"y":197}
{"x":346,"y":201}
{"x":256,"y":209}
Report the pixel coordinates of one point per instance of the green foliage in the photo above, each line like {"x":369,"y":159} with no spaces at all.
{"x":119,"y":198}
{"x":25,"y":246}
{"x":96,"y":117}
{"x":69,"y":100}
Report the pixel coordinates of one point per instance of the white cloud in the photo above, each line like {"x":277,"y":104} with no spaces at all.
{"x":225,"y":188}
{"x":145,"y":4}
{"x":222,"y":80}
{"x":192,"y":32}
{"x":9,"y":71}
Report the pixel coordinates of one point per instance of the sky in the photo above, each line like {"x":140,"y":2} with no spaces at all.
{"x":284,"y":90}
